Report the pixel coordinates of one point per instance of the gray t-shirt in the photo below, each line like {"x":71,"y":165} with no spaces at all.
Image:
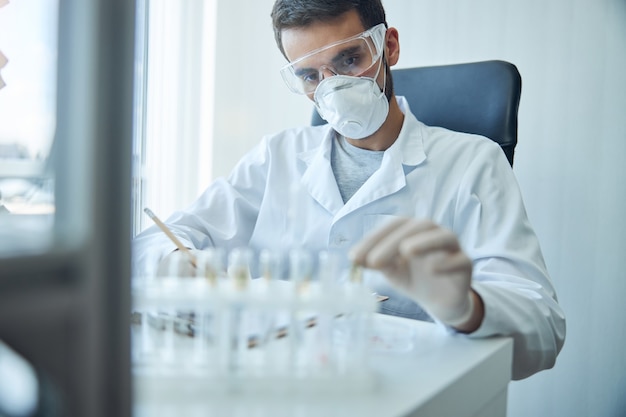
{"x":352,"y":166}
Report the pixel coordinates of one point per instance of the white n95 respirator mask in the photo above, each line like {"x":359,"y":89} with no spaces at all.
{"x":354,"y":106}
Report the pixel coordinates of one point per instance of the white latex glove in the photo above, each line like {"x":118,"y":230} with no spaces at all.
{"x":425,"y":261}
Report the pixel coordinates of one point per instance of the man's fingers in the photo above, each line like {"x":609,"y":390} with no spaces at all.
{"x":388,"y":249}
{"x":434,"y":239}
{"x":382,"y":249}
{"x":455,"y":262}
{"x":361,"y":250}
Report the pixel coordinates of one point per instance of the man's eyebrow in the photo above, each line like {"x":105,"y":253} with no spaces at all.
{"x":305,"y":70}
{"x":337,"y":58}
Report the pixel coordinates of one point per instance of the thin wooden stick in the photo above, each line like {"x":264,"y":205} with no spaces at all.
{"x":171,"y":235}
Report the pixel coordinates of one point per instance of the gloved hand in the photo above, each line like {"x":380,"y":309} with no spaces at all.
{"x":425,"y":261}
{"x":178,"y":264}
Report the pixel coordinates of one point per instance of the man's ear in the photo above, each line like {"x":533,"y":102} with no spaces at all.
{"x":392,"y":46}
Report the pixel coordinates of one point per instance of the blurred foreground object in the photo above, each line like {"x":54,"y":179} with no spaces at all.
{"x":3,"y":59}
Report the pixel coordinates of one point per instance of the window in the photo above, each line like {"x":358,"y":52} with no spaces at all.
{"x":28,"y":62}
{"x":65,"y":269}
{"x":174,"y":105}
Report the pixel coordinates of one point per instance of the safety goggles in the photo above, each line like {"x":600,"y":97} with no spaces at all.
{"x":353,"y":56}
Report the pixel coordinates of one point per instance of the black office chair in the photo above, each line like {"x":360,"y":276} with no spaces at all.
{"x":478,"y":97}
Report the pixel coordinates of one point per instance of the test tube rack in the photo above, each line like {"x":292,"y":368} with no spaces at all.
{"x":230,"y":334}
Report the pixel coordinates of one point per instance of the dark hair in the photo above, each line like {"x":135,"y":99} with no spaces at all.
{"x":301,"y":13}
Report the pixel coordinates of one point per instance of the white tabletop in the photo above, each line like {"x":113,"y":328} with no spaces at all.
{"x":420,"y":369}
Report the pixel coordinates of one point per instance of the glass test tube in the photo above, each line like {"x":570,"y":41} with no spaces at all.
{"x":328,"y":273}
{"x":205,"y":325}
{"x":239,"y":273}
{"x":300,"y":269}
{"x":300,"y":272}
{"x":169,"y":320}
{"x":271,"y":308}
{"x":210,"y":265}
{"x":239,"y":261}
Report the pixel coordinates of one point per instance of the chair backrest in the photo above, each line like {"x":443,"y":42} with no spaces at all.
{"x":477,"y":97}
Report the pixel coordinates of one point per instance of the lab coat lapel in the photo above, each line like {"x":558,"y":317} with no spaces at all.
{"x":318,"y":177}
{"x":405,"y":153}
{"x":388,"y":179}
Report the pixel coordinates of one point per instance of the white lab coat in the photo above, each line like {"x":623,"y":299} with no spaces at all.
{"x":283,"y":193}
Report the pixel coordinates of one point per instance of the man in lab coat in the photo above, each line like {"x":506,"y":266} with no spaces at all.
{"x":435,"y":216}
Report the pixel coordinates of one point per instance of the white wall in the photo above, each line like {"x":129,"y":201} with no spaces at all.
{"x":250,"y":97}
{"x":569,"y":161}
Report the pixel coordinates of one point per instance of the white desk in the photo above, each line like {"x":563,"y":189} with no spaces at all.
{"x":423,"y":372}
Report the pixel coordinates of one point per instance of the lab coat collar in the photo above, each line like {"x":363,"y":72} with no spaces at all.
{"x":410,"y":143}
{"x":407,"y":150}
{"x":318,"y":177}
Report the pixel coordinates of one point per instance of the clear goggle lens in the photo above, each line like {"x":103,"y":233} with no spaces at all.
{"x":353,"y":56}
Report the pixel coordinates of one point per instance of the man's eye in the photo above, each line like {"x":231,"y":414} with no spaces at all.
{"x":310,"y":78}
{"x":349,"y":63}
